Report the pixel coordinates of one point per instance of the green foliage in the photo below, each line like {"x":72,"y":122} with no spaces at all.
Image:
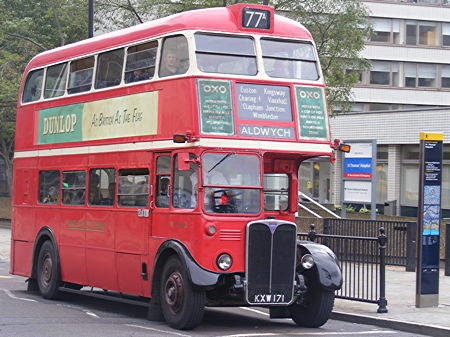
{"x":28,"y":28}
{"x":339,"y":29}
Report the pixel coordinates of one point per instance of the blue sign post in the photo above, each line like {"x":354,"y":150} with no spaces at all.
{"x":429,"y":216}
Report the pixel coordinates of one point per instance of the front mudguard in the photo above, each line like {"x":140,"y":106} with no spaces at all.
{"x":326,"y":270}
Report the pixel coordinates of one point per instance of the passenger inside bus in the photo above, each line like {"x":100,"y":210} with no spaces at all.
{"x":94,"y":189}
{"x":169,"y":64}
{"x":162,"y":199}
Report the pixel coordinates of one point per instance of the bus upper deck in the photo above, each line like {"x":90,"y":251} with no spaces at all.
{"x":244,"y":82}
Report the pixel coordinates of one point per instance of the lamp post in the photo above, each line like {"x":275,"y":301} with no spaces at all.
{"x":90,"y":18}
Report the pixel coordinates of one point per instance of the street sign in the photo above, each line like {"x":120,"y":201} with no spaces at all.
{"x":358,"y":175}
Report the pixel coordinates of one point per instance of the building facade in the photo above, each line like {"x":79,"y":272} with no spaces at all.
{"x":407,"y":91}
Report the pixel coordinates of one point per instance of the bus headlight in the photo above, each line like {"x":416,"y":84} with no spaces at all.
{"x":307,"y":261}
{"x":224,"y":261}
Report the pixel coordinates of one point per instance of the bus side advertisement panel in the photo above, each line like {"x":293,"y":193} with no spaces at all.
{"x":126,"y":116}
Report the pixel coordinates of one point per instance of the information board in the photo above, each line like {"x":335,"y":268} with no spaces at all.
{"x":215,"y":107}
{"x":311,"y":112}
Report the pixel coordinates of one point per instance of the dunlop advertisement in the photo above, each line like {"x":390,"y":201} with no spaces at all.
{"x":126,"y":116}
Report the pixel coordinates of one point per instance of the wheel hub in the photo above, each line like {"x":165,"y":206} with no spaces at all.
{"x":46,"y":273}
{"x":174,"y":292}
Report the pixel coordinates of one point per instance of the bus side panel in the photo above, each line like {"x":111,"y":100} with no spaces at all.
{"x":22,"y":257}
{"x":71,"y":242}
{"x":129,"y":279}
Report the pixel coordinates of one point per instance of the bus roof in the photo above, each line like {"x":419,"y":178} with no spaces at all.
{"x":220,"y":19}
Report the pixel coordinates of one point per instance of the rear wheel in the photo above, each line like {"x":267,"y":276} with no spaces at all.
{"x":182,"y":304}
{"x":315,"y":310}
{"x":48,"y":271}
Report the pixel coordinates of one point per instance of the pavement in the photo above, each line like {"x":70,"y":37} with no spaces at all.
{"x":400,"y":293}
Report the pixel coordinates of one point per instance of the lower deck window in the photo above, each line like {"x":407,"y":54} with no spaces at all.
{"x":133,"y":187}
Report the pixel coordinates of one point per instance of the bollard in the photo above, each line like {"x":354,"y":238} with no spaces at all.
{"x":382,"y":302}
{"x":411,"y":246}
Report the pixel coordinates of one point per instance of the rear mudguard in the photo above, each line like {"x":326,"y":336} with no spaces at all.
{"x":326,"y":269}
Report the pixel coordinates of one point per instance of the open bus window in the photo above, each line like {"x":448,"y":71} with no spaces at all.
{"x":140,"y":64}
{"x":133,"y":187}
{"x":33,"y":86}
{"x":109,"y":69}
{"x":232,"y":183}
{"x":276,"y":191}
{"x":74,"y":187}
{"x":289,"y":59}
{"x":102,"y":186}
{"x":49,"y":187}
{"x":185,"y":185}
{"x":55,"y":81}
{"x":225,"y":54}
{"x":174,"y":56}
{"x":162,"y":181}
{"x":80,"y":77}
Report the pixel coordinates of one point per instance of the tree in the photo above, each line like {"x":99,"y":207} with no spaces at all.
{"x":339,"y":28}
{"x":28,"y":28}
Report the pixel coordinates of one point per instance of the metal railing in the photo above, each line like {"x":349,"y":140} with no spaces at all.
{"x":402,"y":237}
{"x":303,"y":195}
{"x":363,"y":265}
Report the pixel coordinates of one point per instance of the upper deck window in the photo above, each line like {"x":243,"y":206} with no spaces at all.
{"x":174,"y":56}
{"x":288,"y":59}
{"x":225,"y":54}
{"x":55,"y":81}
{"x":109,"y":69}
{"x":80,"y":78}
{"x":140,"y":64}
{"x":33,"y":86}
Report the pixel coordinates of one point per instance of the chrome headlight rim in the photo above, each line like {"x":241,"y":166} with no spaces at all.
{"x":224,"y":261}
{"x":307,"y":261}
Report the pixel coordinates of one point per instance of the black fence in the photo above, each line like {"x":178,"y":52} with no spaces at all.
{"x":402,"y":237}
{"x":363,"y":264}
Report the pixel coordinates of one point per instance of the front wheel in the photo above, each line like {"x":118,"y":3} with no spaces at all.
{"x":48,"y":271}
{"x":182,"y":304}
{"x":315,"y":310}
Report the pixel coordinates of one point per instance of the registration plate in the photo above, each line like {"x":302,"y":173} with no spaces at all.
{"x":269,"y":298}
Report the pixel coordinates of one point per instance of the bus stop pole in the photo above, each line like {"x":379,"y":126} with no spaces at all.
{"x":90,"y":18}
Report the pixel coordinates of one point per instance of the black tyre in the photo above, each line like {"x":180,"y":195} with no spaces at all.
{"x":315,"y":309}
{"x":182,"y":304}
{"x":48,"y":271}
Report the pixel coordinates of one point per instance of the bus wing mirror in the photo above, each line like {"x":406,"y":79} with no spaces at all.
{"x":183,"y":161}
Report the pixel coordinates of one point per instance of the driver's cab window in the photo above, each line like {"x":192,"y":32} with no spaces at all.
{"x":232,"y":183}
{"x":174,"y":56}
{"x":185,"y":184}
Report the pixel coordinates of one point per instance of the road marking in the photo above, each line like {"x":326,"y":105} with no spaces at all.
{"x":11,"y":295}
{"x":1,"y":276}
{"x":254,"y":310}
{"x":158,"y":330}
{"x":90,"y":313}
{"x":331,"y":333}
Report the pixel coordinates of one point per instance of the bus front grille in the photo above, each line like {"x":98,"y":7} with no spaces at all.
{"x":270,"y":262}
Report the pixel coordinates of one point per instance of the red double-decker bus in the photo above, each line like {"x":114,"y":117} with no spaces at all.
{"x":161,"y":161}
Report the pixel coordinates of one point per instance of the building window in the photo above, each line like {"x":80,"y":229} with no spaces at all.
{"x":384,"y":73}
{"x":386,"y":30}
{"x":445,"y":76}
{"x":446,"y":34}
{"x":421,"y":33}
{"x":420,"y":75}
